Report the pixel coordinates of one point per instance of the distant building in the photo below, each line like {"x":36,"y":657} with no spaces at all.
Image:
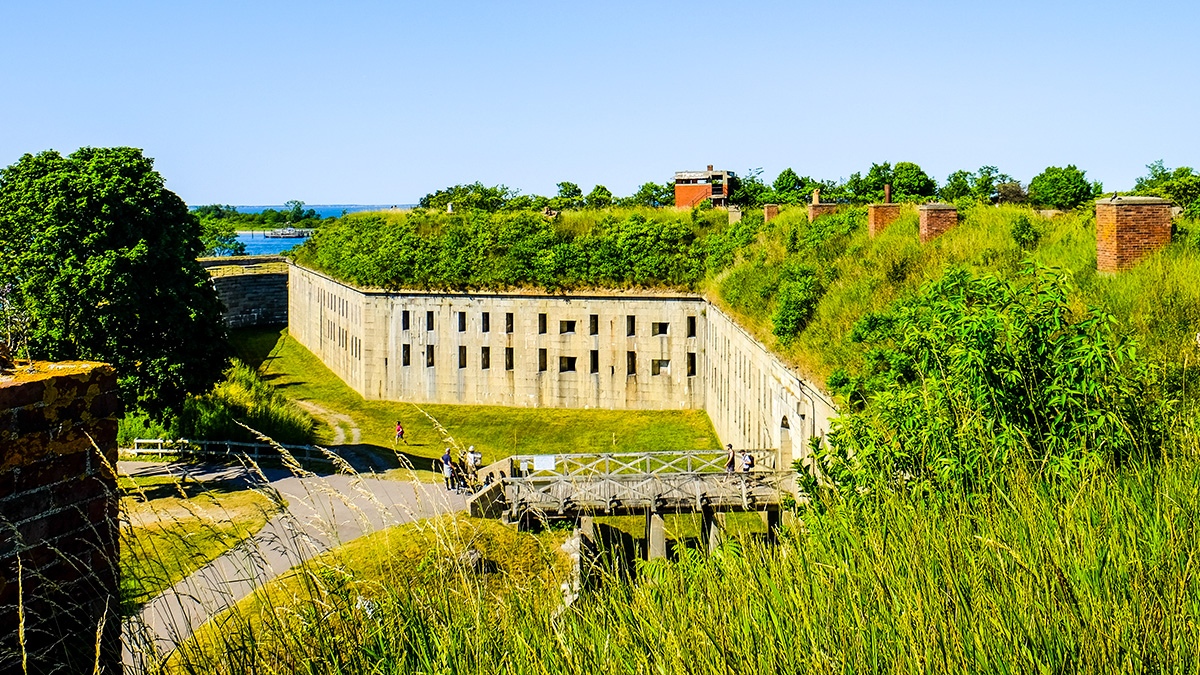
{"x":693,"y":187}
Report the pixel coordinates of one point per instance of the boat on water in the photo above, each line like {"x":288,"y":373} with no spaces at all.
{"x":288,"y":233}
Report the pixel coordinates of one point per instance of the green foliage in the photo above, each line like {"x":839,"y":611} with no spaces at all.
{"x":466,"y":197}
{"x":226,"y":219}
{"x":242,"y":397}
{"x":650,"y":195}
{"x":599,"y":198}
{"x":1181,"y":186}
{"x":909,"y":183}
{"x":794,"y":307}
{"x":1025,"y":233}
{"x":975,"y":374}
{"x":478,"y":249}
{"x":1064,"y":188}
{"x":982,"y":186}
{"x":219,"y":237}
{"x":102,"y":258}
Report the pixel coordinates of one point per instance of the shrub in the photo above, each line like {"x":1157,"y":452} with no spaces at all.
{"x":1062,"y":188}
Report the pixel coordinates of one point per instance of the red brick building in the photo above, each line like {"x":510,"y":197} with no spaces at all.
{"x":693,"y":187}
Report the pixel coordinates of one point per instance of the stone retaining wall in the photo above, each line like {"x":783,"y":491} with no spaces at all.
{"x":58,"y":519}
{"x":254,"y":289}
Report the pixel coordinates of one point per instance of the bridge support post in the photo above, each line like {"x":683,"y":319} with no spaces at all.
{"x":771,"y":520}
{"x":656,"y":536}
{"x":712,"y":527}
{"x":589,"y":553}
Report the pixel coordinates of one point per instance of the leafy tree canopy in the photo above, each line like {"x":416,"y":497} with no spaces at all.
{"x":651,"y":194}
{"x":1064,"y":188}
{"x":599,"y":198}
{"x":1181,"y":186}
{"x":982,"y":186}
{"x":102,"y":262}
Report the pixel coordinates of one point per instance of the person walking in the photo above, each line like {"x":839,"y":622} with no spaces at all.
{"x":730,"y":458}
{"x":448,"y":469}
{"x":400,"y":432}
{"x":747,"y":461}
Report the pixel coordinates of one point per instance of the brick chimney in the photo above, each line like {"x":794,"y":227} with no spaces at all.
{"x":1128,"y":229}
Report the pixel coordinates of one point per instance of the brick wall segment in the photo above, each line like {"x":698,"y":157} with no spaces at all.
{"x":936,"y":220}
{"x":58,"y":517}
{"x":879,"y":216}
{"x":1128,"y":229}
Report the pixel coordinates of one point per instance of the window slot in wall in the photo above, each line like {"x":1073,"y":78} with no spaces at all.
{"x":508,"y":358}
{"x":566,"y":364}
{"x":659,"y":328}
{"x":541,"y":360}
{"x":631,"y":363}
{"x":429,"y":320}
{"x":485,"y":358}
{"x":428,"y":356}
{"x":566,"y":327}
{"x":691,"y":364}
{"x":541,"y":324}
{"x":486,"y":323}
{"x":508,"y":322}
{"x":405,"y":355}
{"x":594,"y":324}
{"x":630,"y":325}
{"x":462,"y":322}
{"x":691,"y":325}
{"x":595,"y":361}
{"x":462,"y":356}
{"x":660,"y":367}
{"x":404,"y":320}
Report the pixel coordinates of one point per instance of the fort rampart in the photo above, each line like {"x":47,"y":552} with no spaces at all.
{"x":588,"y":350}
{"x":58,"y":519}
{"x":254,"y":289}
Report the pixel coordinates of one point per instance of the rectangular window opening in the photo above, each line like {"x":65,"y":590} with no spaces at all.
{"x":566,"y":364}
{"x":429,"y":320}
{"x":631,"y":363}
{"x":659,"y":328}
{"x":485,"y":358}
{"x":541,"y":360}
{"x":462,"y":322}
{"x":691,"y":364}
{"x":508,"y":322}
{"x":660,"y":367}
{"x":565,"y":327}
{"x":405,"y":355}
{"x":508,"y":358}
{"x":541,"y":324}
{"x":462,"y":356}
{"x":691,"y":325}
{"x":486,"y":322}
{"x":428,"y":356}
{"x":630,"y":325}
{"x":404,"y":320}
{"x":594,"y":324}
{"x":594,"y":361}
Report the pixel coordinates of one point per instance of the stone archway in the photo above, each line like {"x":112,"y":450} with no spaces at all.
{"x":785,"y":445}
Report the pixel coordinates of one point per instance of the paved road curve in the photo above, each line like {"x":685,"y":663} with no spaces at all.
{"x":323,"y":512}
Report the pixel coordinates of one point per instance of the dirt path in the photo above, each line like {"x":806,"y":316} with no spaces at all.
{"x":322,"y":512}
{"x":339,"y":422}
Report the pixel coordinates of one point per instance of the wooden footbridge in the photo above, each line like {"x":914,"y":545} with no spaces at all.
{"x":528,"y":489}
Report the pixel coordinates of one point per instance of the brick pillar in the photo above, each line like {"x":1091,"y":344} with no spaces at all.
{"x":1128,"y":229}
{"x":58,"y":518}
{"x":936,"y":220}
{"x":879,"y":216}
{"x":770,"y":212}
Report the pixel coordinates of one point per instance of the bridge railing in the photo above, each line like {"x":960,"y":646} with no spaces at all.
{"x":646,"y":463}
{"x":159,"y":446}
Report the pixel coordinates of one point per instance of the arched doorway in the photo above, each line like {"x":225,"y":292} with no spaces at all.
{"x":785,"y":445}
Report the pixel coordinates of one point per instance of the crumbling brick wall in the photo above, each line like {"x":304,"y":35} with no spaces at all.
{"x":58,"y":519}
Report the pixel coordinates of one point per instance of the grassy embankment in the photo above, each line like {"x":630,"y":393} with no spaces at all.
{"x":171,"y":528}
{"x":495,"y":431}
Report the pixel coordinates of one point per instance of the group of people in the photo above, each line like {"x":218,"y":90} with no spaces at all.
{"x":731,"y":460}
{"x":462,"y":472}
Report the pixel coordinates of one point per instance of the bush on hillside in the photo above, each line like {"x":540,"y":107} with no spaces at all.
{"x":1064,"y":188}
{"x":973,"y":374}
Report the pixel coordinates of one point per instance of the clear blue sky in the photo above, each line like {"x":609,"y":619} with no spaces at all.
{"x":383,"y":102}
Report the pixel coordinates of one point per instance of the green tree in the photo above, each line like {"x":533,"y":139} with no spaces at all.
{"x":909,"y":181}
{"x":1181,"y":186}
{"x":102,"y":259}
{"x":958,"y":185}
{"x":219,"y":237}
{"x":1064,"y":188}
{"x":569,"y":197}
{"x":750,"y":191}
{"x":599,"y":198}
{"x":651,"y":194}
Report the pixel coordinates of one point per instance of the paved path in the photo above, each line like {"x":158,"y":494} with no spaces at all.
{"x":323,"y":512}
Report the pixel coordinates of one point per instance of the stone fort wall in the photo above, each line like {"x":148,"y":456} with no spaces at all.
{"x":631,"y":351}
{"x":254,"y":289}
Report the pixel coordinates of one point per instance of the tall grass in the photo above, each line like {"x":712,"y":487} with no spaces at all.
{"x":1091,"y":575}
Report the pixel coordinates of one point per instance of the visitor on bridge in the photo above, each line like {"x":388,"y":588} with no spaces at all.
{"x":730,"y":458}
{"x":747,"y":461}
{"x":448,"y":469}
{"x":474,"y":460}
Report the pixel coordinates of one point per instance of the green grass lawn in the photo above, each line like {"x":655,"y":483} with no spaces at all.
{"x":172,"y":528}
{"x":496,"y":431}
